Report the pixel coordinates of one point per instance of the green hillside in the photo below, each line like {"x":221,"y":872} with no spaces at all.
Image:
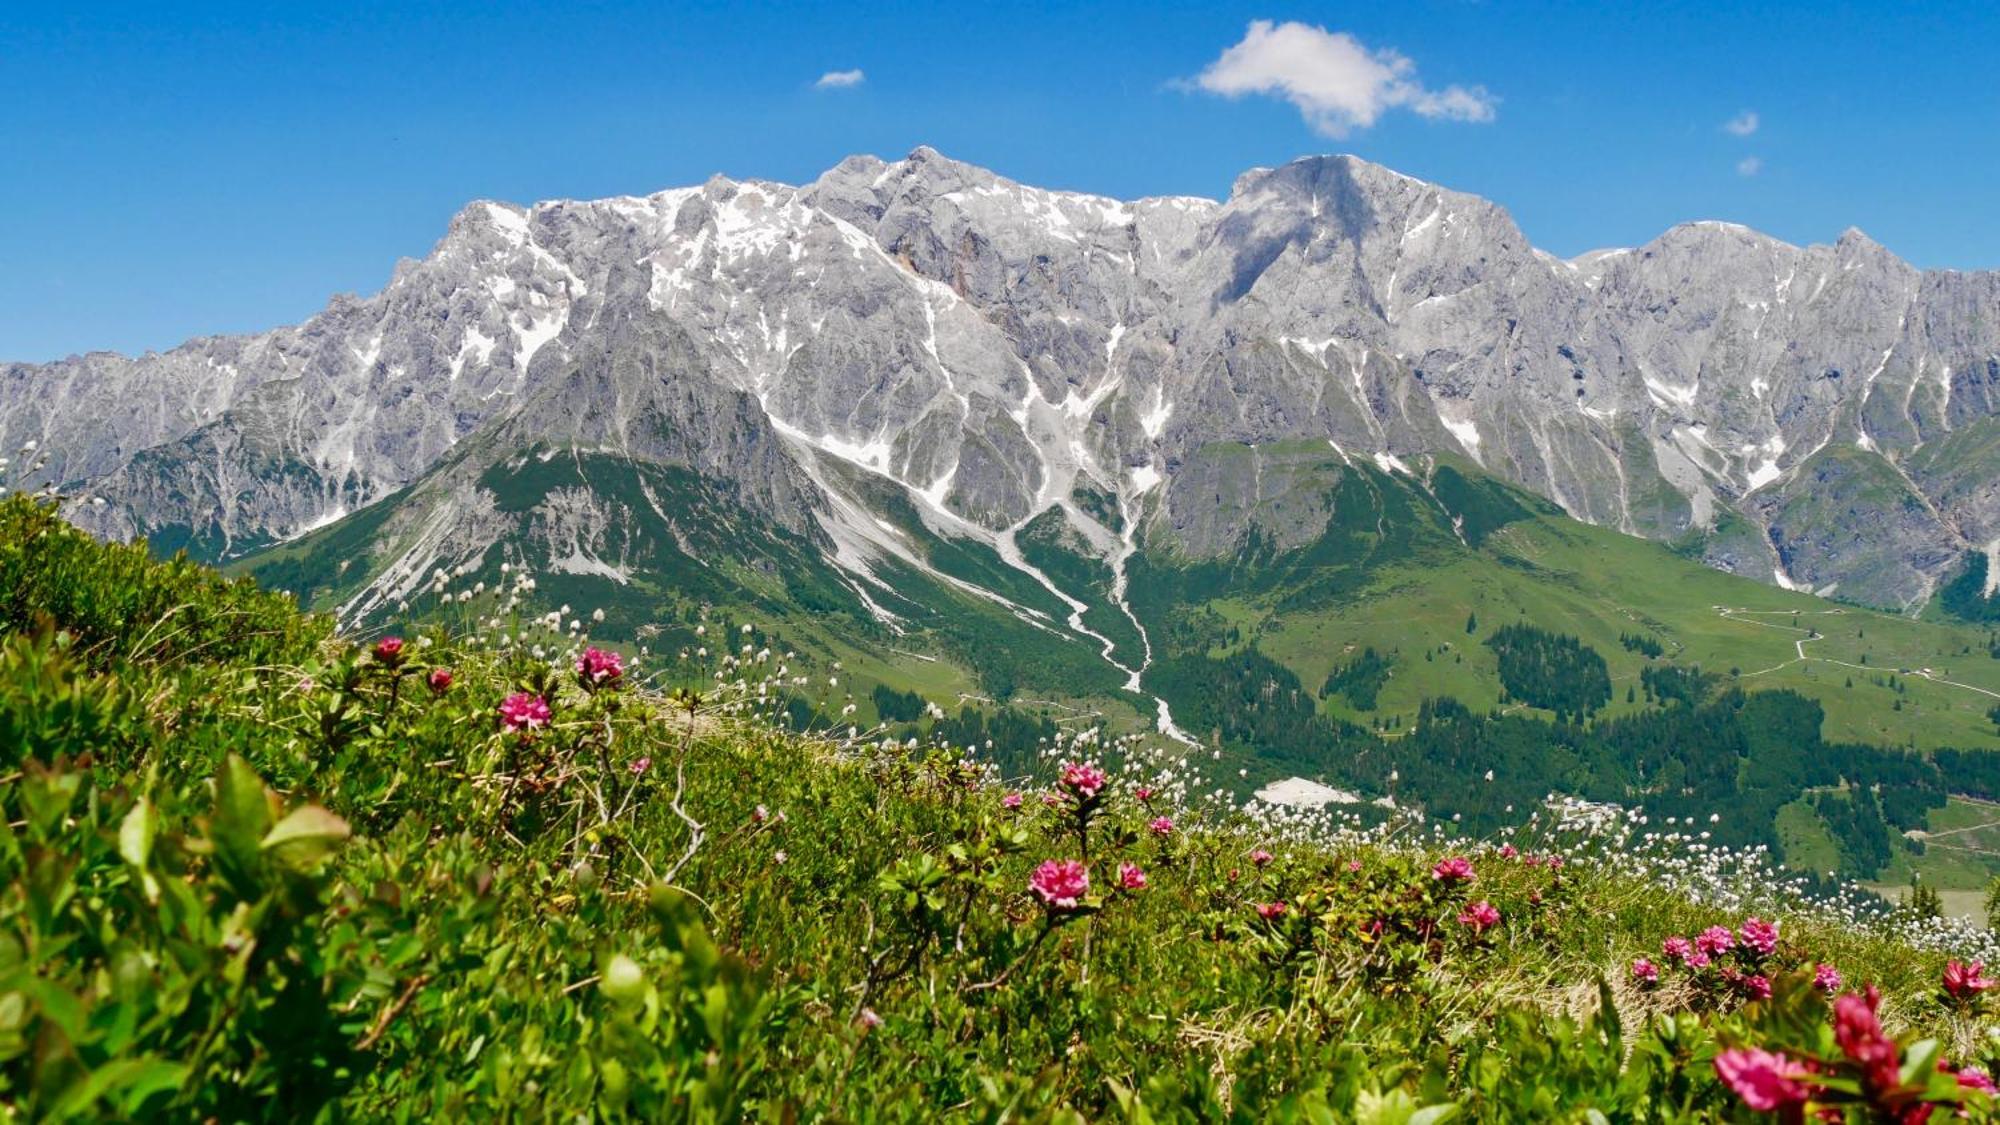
{"x":254,"y":871}
{"x":1350,"y":640}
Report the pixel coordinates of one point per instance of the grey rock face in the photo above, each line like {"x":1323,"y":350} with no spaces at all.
{"x":1820,"y":416}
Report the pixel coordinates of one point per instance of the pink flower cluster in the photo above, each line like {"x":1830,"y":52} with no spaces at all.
{"x":1083,"y":779}
{"x":1479,"y":917}
{"x":1767,"y":1081}
{"x":1759,"y":935}
{"x":1131,"y":877}
{"x":1060,"y":884}
{"x":1456,"y":869}
{"x":439,"y":680}
{"x":1965,"y":981}
{"x":1162,"y":826}
{"x":1771,"y":1081}
{"x":1752,"y":943}
{"x":599,"y":668}
{"x":524,"y":711}
{"x":389,"y":650}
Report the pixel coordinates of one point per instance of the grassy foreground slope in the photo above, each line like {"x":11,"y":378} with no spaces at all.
{"x":252,"y":871}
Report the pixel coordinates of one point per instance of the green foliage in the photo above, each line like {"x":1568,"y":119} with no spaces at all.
{"x":333,"y":886}
{"x":117,"y":603}
{"x":1964,"y":597}
{"x":1551,"y":671}
{"x":1644,"y":644}
{"x":1359,"y":679}
{"x":896,"y":706}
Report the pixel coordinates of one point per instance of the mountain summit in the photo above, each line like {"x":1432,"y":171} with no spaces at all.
{"x":1820,"y":417}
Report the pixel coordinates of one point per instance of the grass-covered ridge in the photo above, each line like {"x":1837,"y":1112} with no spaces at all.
{"x":265,"y":873}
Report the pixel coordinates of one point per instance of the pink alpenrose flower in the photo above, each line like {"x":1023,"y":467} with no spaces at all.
{"x":1131,"y":877}
{"x":1456,"y":869}
{"x":1963,"y":981}
{"x":1270,"y":910}
{"x":1645,"y":972}
{"x":1480,"y":916}
{"x":1759,"y":935}
{"x":389,"y":650}
{"x":1826,"y":978}
{"x":524,"y":710}
{"x":1060,"y":884}
{"x":1261,"y":858}
{"x":1162,"y":826}
{"x":1714,"y":940}
{"x":439,"y":680}
{"x":1973,"y":1078}
{"x":1082,"y":778}
{"x":1766,"y":1081}
{"x":1011,"y":801}
{"x":599,"y":668}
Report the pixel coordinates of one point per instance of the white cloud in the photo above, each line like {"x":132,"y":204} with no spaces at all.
{"x":1743,"y":124}
{"x":1750,"y":166}
{"x":840,"y":79}
{"x":1335,"y":80}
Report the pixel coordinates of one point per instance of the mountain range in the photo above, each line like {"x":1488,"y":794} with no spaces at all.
{"x":1822,"y":417}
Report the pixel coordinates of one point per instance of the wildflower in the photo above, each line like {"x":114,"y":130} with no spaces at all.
{"x":1556,"y":863}
{"x":780,"y":857}
{"x":1261,"y":858}
{"x":868,"y":1019}
{"x":1826,"y":978}
{"x":1354,"y":865}
{"x":1973,"y":1078}
{"x":389,"y":650}
{"x":1131,"y":877}
{"x":1082,"y":778}
{"x":1480,"y":916}
{"x":1696,"y":959}
{"x":1509,"y":851}
{"x":1162,"y":826}
{"x":1760,"y":935}
{"x":1677,"y":947}
{"x":1457,"y":869}
{"x":596,"y":667}
{"x":1858,"y":1031}
{"x":1270,"y":910}
{"x":1645,"y":972}
{"x":1144,"y":793}
{"x":1060,"y":883}
{"x":1011,"y":801}
{"x":1714,"y":940}
{"x":524,"y":711}
{"x":1964,"y":981}
{"x":640,"y":766}
{"x":439,"y":680}
{"x":1764,"y":1080}
{"x":759,"y":815}
{"x":1757,"y":987}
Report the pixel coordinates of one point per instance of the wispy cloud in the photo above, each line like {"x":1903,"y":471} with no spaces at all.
{"x":1743,"y":124}
{"x":1337,"y":82}
{"x":1750,"y":166}
{"x":840,"y":79}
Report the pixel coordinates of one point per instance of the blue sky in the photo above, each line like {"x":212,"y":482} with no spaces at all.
{"x":170,"y":170}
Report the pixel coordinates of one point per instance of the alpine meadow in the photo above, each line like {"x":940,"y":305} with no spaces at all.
{"x":912,"y":645}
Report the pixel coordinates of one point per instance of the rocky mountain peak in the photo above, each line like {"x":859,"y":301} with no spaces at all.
{"x":1812,"y":416}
